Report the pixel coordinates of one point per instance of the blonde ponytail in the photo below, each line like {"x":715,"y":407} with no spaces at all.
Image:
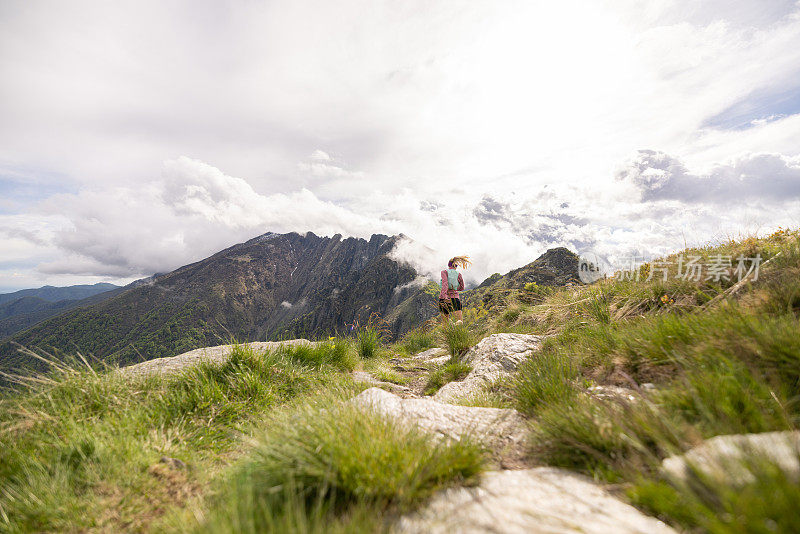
{"x":459,"y":261}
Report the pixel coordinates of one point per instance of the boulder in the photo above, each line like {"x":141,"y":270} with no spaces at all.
{"x":500,"y":429}
{"x":725,"y":458}
{"x":529,"y":501}
{"x":494,"y":357}
{"x":218,"y":354}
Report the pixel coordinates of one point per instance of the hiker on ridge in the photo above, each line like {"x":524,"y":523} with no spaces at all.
{"x":452,"y":283}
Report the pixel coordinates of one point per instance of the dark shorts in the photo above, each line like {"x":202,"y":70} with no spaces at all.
{"x":448,"y":305}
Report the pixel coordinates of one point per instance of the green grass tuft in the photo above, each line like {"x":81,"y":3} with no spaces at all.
{"x":767,"y":503}
{"x":457,"y":338}
{"x":545,"y":378}
{"x":338,"y":353}
{"x":368,"y":342}
{"x":449,"y":372}
{"x":340,"y":462}
{"x":418,"y":340}
{"x":70,"y":442}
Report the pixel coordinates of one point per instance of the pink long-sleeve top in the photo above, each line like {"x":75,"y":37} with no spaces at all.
{"x":446,"y":293}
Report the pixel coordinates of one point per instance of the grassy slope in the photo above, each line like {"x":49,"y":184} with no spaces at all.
{"x":719,"y":366}
{"x":81,"y":451}
{"x":268,"y":449}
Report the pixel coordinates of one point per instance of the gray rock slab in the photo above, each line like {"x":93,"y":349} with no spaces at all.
{"x":496,"y":428}
{"x":540,"y":500}
{"x":725,"y":458}
{"x":494,"y":357}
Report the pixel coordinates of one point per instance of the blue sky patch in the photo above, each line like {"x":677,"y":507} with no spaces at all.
{"x":21,"y":187}
{"x":763,"y":105}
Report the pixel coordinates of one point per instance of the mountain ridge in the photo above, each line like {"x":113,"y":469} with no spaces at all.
{"x":269,"y":287}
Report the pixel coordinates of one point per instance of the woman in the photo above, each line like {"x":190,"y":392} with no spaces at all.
{"x":452,"y":283}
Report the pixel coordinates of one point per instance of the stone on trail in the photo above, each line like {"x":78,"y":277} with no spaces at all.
{"x":218,"y":354}
{"x":494,"y":357}
{"x":500,"y":429}
{"x":427,"y":355}
{"x":529,"y":501}
{"x":613,"y":393}
{"x":725,"y":458}
{"x":366,"y":378}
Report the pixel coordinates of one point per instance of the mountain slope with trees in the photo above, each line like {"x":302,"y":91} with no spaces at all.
{"x":25,"y":308}
{"x":273,"y":286}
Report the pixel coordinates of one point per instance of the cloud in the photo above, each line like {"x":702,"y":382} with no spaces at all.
{"x":24,"y":234}
{"x":319,"y":155}
{"x":330,"y":176}
{"x":756,"y":177}
{"x":489,"y":129}
{"x":193,"y":212}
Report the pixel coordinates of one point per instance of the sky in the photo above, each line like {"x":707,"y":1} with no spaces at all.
{"x":137,"y":137}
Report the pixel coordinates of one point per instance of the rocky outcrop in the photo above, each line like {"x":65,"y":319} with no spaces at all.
{"x":217,"y":355}
{"x":495,"y":357}
{"x":729,"y":459}
{"x":499,"y":429}
{"x":529,"y":501}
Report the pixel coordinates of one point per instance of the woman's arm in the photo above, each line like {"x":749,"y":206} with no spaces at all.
{"x":443,"y":292}
{"x":460,"y":283}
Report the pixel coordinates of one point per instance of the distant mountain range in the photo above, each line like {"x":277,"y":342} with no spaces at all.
{"x":55,"y":294}
{"x":271,"y":287}
{"x":22,"y":309}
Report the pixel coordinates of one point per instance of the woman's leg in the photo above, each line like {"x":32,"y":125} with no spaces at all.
{"x":444,"y":309}
{"x":457,"y":309}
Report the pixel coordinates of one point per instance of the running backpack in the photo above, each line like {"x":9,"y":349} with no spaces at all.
{"x":452,"y":279}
